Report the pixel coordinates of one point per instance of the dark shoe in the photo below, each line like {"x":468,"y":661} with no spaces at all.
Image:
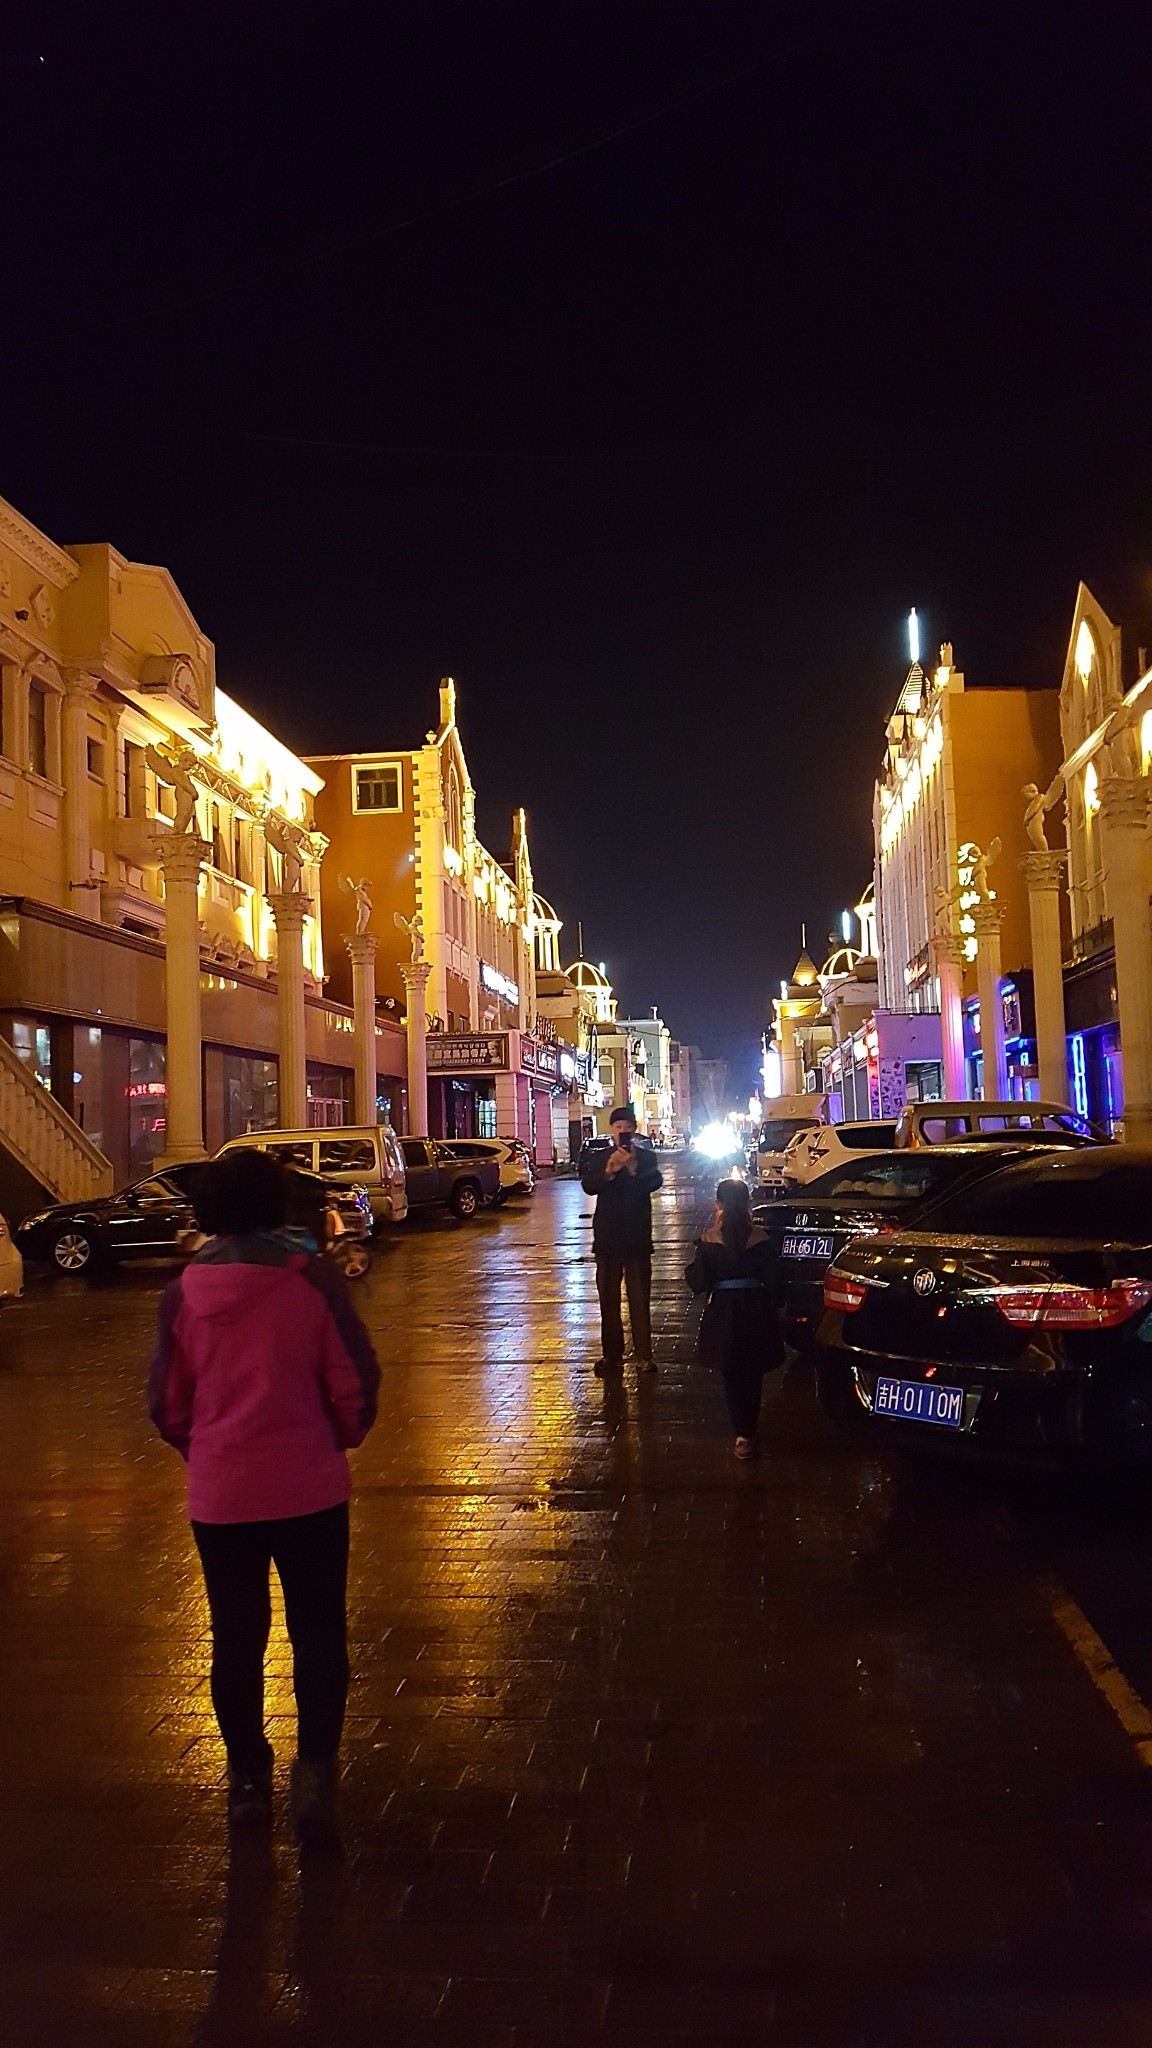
{"x":250,"y":1797}
{"x":313,"y":1803}
{"x":644,"y":1364}
{"x":608,"y":1368}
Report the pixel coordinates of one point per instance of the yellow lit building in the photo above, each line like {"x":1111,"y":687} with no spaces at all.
{"x":108,"y":703}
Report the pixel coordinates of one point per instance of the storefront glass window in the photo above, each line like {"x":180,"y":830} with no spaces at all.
{"x":486,"y":1116}
{"x":251,"y":1093}
{"x":329,"y":1095}
{"x":88,"y":1082}
{"x":33,"y":1043}
{"x":147,"y":1102}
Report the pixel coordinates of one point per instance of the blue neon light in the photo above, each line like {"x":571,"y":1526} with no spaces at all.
{"x":1079,"y":1075}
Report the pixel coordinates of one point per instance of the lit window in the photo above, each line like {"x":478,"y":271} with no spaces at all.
{"x":1085,"y":651}
{"x":38,"y":729}
{"x":377,"y":788}
{"x":1091,"y":790}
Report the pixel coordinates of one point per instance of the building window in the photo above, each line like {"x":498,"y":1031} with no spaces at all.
{"x":38,"y":729}
{"x":454,"y":823}
{"x":135,"y":781}
{"x":96,"y":758}
{"x":377,"y":788}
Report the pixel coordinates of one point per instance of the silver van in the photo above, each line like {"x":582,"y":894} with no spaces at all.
{"x":361,"y":1155}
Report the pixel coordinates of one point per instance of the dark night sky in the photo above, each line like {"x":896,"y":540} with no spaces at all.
{"x":651,"y":447}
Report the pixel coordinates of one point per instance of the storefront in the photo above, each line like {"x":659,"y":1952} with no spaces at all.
{"x":1019,"y":1041}
{"x":890,"y":1060}
{"x":504,"y":1084}
{"x":1095,"y":1070}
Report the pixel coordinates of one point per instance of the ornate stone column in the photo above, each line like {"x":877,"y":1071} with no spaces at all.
{"x":79,"y":692}
{"x":988,"y":918}
{"x":181,"y":856}
{"x":948,"y":962}
{"x":1124,"y":844}
{"x":289,"y":908}
{"x":791,"y":1071}
{"x":362,"y":953}
{"x":1044,"y":874}
{"x":416,"y":974}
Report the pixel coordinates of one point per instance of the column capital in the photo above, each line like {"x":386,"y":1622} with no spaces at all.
{"x":1124,"y":801}
{"x":289,"y":907}
{"x":79,"y":683}
{"x":415,"y":973}
{"x":1042,"y":870}
{"x":361,"y":947}
{"x":181,"y":855}
{"x":988,"y":918}
{"x":946,"y":950}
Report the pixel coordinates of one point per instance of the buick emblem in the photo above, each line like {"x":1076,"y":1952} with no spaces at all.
{"x":924,"y":1282}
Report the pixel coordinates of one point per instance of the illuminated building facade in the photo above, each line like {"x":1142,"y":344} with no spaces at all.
{"x":406,"y":820}
{"x":1106,"y":734}
{"x":955,"y":762}
{"x":107,"y":686}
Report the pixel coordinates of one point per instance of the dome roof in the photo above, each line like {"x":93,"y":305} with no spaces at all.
{"x":544,"y":910}
{"x":582,"y":974}
{"x":804,"y":973}
{"x":842,"y":961}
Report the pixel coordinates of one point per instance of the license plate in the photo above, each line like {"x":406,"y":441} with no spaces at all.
{"x":919,"y":1401}
{"x":797,"y":1246}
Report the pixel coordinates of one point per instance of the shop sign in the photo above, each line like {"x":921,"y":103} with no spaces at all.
{"x":527,"y":1053}
{"x":547,"y":1061}
{"x":498,"y":984}
{"x":467,"y":1052}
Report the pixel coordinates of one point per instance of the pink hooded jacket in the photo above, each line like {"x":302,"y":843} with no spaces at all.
{"x":261,"y":1377}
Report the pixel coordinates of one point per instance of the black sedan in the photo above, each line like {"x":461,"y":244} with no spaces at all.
{"x":867,"y":1197}
{"x":1019,"y":1324}
{"x":152,"y":1219}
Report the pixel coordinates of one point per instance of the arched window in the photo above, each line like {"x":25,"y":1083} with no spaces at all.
{"x":454,"y":811}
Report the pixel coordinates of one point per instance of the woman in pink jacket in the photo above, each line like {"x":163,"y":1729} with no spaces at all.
{"x":262,"y":1378}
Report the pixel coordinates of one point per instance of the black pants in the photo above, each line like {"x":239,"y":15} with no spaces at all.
{"x":310,"y":1553}
{"x":743,"y":1388}
{"x":633,"y":1272}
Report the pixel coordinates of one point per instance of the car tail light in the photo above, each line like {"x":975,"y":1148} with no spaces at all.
{"x":843,"y":1291}
{"x":1057,"y":1306}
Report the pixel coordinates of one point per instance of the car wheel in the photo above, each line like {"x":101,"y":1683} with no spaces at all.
{"x":74,"y":1248}
{"x":465,"y":1200}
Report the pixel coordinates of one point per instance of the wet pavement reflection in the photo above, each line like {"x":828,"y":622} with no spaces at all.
{"x":645,"y":1745}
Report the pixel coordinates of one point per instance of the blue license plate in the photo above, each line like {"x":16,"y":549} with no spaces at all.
{"x":919,"y":1401}
{"x":807,"y":1246}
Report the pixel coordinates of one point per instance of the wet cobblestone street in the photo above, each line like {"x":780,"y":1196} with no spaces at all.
{"x":645,"y":1746}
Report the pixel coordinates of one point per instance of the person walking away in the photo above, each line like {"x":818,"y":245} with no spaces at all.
{"x":623,"y":1179}
{"x":739,"y":1332}
{"x":262,"y":1377}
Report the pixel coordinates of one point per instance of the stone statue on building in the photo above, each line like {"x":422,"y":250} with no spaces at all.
{"x":1038,"y":803}
{"x":177,"y":772}
{"x":415,"y":930}
{"x":981,"y":862}
{"x":362,"y":892}
{"x":283,"y":844}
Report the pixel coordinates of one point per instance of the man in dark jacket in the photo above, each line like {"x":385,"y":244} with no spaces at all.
{"x":623,"y":1179}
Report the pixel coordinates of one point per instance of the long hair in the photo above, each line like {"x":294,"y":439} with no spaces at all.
{"x":735,"y":1204}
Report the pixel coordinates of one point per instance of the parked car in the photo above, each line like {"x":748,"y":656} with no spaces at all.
{"x":939,"y":1123}
{"x":815,"y":1151}
{"x":776,"y":1133}
{"x":511,"y":1155}
{"x":152,"y":1219}
{"x":871,"y":1196}
{"x":11,"y":1266}
{"x":435,"y":1175}
{"x":352,"y":1155}
{"x":1019,"y":1323}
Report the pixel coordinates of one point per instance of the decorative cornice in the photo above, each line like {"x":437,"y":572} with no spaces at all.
{"x":1043,"y":870}
{"x":35,"y":549}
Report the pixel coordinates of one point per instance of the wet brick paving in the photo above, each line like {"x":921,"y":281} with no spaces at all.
{"x":645,"y":1746}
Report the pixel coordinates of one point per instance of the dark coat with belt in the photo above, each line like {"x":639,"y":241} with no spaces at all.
{"x":739,"y":1331}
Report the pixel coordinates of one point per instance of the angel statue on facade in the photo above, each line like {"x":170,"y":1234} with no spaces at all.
{"x":1038,"y":803}
{"x":362,"y":892}
{"x":981,"y":862}
{"x":177,"y":773}
{"x":415,"y":930}
{"x":289,"y":852}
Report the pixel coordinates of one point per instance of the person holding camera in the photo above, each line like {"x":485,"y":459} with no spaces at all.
{"x":623,"y":1179}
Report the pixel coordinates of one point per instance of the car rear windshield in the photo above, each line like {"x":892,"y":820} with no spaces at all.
{"x":899,"y":1176}
{"x":774,"y":1136}
{"x":1071,"y":1197}
{"x":866,"y":1135}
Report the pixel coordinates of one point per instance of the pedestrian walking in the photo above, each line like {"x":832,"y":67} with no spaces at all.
{"x":262,"y":1377}
{"x":739,"y":1333}
{"x":623,"y":1177}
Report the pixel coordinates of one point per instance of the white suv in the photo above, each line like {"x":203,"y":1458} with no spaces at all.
{"x":516,"y":1175}
{"x":813,"y":1152}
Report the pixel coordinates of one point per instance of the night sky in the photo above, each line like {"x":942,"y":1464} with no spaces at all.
{"x":638,"y":364}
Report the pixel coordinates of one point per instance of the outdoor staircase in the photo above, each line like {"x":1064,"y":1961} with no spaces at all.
{"x":43,"y":1138}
